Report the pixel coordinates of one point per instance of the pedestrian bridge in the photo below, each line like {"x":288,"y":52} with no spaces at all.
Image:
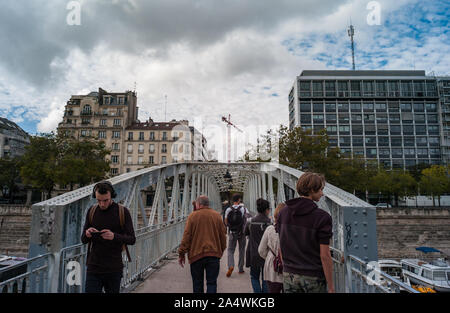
{"x":56,"y":261}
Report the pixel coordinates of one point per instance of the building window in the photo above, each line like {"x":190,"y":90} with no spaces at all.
{"x":355,"y":106}
{"x":345,"y":141}
{"x":140,"y":159}
{"x":393,"y":106}
{"x":421,"y":130}
{"x":317,"y":89}
{"x":164,"y":137}
{"x":433,"y":129}
{"x":358,"y":141}
{"x":318,"y":118}
{"x":152,"y":148}
{"x":117,"y":122}
{"x":164,"y":148}
{"x":371,"y":153}
{"x":405,"y":106}
{"x":408,"y":130}
{"x":431,"y":107}
{"x":86,"y":110}
{"x":385,"y":153}
{"x":115,"y":146}
{"x":332,"y":130}
{"x":141,"y":135}
{"x":418,"y":107}
{"x":116,"y":134}
{"x":151,"y":159}
{"x":368,"y":106}
{"x":383,"y":141}
{"x":369,"y":118}
{"x":305,"y":118}
{"x":369,"y":129}
{"x":152,"y":136}
{"x":121,"y":100}
{"x":330,"y":107}
{"x":380,"y":106}
{"x":330,"y":89}
{"x":409,"y":141}
{"x":130,"y":136}
{"x":115,"y":159}
{"x":129,"y":159}
{"x":305,"y":89}
{"x":317,"y":106}
{"x":394,"y":118}
{"x":432,"y":118}
{"x":395,"y":129}
{"x":331,"y":118}
{"x":344,"y":118}
{"x":85,"y":121}
{"x":396,"y":141}
{"x":163,"y":160}
{"x":130,"y":148}
{"x":103,"y":122}
{"x":357,"y":130}
{"x":141,"y":148}
{"x":102,"y":134}
{"x":371,"y":141}
{"x":114,"y":171}
{"x":342,"y":106}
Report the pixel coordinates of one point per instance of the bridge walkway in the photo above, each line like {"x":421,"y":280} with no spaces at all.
{"x":172,"y":278}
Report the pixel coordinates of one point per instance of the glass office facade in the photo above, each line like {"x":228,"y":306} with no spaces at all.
{"x":393,"y":118}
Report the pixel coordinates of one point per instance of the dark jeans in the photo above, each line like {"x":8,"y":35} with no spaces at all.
{"x":257,"y":284}
{"x":209,"y":264}
{"x":96,"y":282}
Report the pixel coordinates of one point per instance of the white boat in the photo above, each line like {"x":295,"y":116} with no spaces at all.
{"x":435,"y":275}
{"x":391,"y":267}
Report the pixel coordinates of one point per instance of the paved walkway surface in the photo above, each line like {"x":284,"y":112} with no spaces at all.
{"x":172,"y":278}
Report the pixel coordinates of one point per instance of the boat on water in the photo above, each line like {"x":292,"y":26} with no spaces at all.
{"x":434,"y":275}
{"x":391,"y":267}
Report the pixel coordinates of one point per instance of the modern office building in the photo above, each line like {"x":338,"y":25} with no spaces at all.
{"x":113,"y":118}
{"x":444,"y":100}
{"x":13,"y":139}
{"x":391,"y":116}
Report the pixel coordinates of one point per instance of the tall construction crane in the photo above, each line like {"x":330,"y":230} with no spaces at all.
{"x":229,"y":124}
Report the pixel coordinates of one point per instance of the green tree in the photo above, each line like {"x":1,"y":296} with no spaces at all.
{"x":39,"y":163}
{"x":379,"y":184}
{"x":10,"y":175}
{"x":80,"y":162}
{"x":51,"y":160}
{"x":401,"y":184}
{"x":435,"y":181}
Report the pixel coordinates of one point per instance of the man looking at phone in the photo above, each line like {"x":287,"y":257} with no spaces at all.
{"x":107,"y":233}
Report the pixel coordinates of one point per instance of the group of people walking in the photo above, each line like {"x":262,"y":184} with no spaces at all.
{"x":290,"y":255}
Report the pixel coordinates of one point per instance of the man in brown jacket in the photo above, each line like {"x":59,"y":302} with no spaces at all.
{"x":204,"y":240}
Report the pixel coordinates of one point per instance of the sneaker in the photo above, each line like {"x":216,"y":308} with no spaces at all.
{"x":241,"y":272}
{"x":230,"y":270}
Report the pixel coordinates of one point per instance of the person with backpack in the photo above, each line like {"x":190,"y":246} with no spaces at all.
{"x":108,"y":230}
{"x":254,"y":230}
{"x":269,"y":249}
{"x":235,"y":218}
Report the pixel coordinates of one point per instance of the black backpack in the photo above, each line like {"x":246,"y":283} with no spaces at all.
{"x":235,"y":220}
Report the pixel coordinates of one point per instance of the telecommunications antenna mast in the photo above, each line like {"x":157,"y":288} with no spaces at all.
{"x":351,"y":33}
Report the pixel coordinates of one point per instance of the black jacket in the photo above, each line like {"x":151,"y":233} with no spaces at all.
{"x":255,"y":230}
{"x":106,"y":255}
{"x":303,"y":227}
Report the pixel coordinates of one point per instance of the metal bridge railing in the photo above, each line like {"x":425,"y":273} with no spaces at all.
{"x":152,"y":245}
{"x":34,"y":278}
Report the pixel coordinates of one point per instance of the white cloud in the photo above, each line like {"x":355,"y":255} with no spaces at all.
{"x":211,"y":65}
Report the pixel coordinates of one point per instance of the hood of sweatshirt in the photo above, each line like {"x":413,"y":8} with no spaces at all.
{"x":301,"y":206}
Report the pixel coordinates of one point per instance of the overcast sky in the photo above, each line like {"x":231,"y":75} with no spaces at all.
{"x":211,"y":58}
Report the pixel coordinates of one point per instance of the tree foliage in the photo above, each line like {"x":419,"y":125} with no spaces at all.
{"x":51,"y":160}
{"x":435,"y":181}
